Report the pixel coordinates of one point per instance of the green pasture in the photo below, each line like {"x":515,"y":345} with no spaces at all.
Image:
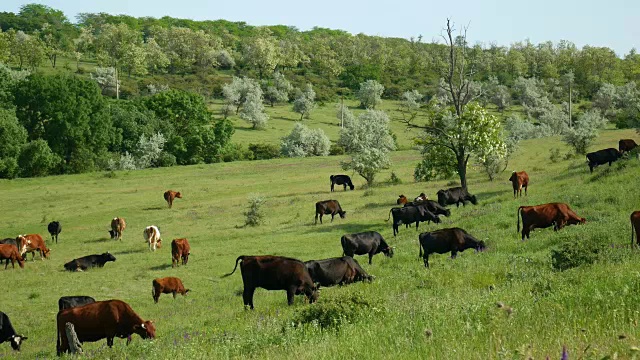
{"x":446,"y":312}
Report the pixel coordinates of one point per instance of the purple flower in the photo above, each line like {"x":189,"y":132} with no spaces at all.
{"x":565,"y":353}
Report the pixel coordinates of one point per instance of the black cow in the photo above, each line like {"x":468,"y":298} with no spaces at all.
{"x":89,"y":261}
{"x":10,"y":241}
{"x":456,"y":195}
{"x":343,"y":180}
{"x":342,"y":270}
{"x":369,"y":242}
{"x":432,"y":206}
{"x":68,"y":302}
{"x":410,"y":215}
{"x":445,"y":240}
{"x":55,"y":228}
{"x":7,"y":333}
{"x":329,"y":207}
{"x":602,"y":157}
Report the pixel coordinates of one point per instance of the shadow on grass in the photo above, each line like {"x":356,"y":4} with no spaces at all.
{"x":346,"y":228}
{"x":104,"y":239}
{"x":126,"y":252}
{"x":153,"y":208}
{"x":160,"y":267}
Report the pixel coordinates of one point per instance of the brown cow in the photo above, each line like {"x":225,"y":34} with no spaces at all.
{"x":180,"y":249}
{"x":329,"y":207}
{"x":32,"y":243}
{"x":117,"y":228}
{"x":167,"y":285}
{"x":169,"y":195}
{"x":635,"y":224}
{"x":102,"y":319}
{"x":401,"y":200}
{"x":545,"y":215}
{"x":421,"y":198}
{"x":625,"y":145}
{"x":275,"y":273}
{"x":10,"y":252}
{"x":518,"y":180}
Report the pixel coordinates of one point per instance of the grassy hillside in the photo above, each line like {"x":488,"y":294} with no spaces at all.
{"x":446,"y":312}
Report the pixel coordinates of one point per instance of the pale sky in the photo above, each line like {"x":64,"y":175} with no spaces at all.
{"x":611,"y":23}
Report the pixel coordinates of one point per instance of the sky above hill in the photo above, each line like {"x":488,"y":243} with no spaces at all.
{"x":613,"y":23}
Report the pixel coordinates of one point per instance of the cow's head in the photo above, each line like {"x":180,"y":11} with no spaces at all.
{"x":113,"y":234}
{"x":146,"y":330}
{"x":443,"y":196}
{"x":436,"y":219}
{"x":108,"y":257}
{"x":388,"y":251}
{"x":513,"y":177}
{"x":46,"y":252}
{"x":447,"y":212}
{"x":312,"y":294}
{"x":474,"y":200}
{"x":178,"y":195}
{"x":343,"y":214}
{"x":16,"y":341}
{"x":159,"y":243}
{"x":480,"y":246}
{"x":351,"y":186}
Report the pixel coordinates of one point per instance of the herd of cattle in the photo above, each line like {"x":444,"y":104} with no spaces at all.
{"x":91,"y":320}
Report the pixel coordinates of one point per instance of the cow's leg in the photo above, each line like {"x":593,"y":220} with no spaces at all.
{"x":332,"y":184}
{"x":291,"y":292}
{"x":247,"y":296}
{"x":395,"y":229}
{"x":417,"y":223}
{"x":332,"y":215}
{"x":525,"y":189}
{"x":370,"y":257}
{"x":426,"y":259}
{"x":321,"y":215}
{"x":174,"y":294}
{"x":454,"y":254}
{"x":110,"y":341}
{"x":315,"y":222}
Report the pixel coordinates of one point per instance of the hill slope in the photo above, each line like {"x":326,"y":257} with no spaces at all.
{"x":408,"y":311}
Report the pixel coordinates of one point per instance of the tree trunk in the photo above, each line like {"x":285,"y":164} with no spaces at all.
{"x":462,"y":170}
{"x":117,"y":82}
{"x":301,"y":116}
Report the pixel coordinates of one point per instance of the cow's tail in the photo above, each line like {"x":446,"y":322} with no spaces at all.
{"x":234,"y":269}
{"x":518,"y":216}
{"x":330,"y":179}
{"x":632,"y":231}
{"x":389,"y":215}
{"x":419,"y":247}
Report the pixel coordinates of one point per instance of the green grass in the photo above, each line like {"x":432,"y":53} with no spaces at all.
{"x":454,"y":301}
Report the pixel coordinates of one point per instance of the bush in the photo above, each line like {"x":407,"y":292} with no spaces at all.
{"x":165,"y":160}
{"x":581,"y":250}
{"x":332,"y":313}
{"x":254,"y":215}
{"x":584,"y":132}
{"x":37,"y":159}
{"x":264,"y":151}
{"x":302,"y":142}
{"x":394,"y":179}
{"x":235,"y":152}
{"x":336,"y":149}
{"x":554,"y":155}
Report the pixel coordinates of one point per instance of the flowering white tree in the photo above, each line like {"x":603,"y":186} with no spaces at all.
{"x":305,"y":102}
{"x":302,"y":142}
{"x":370,"y":93}
{"x":368,"y":140}
{"x":253,"y":111}
{"x":584,"y":131}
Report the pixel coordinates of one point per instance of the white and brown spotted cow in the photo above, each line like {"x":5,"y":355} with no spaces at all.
{"x":152,"y":237}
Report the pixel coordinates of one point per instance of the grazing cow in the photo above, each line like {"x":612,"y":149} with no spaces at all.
{"x":117,"y":227}
{"x":55,"y":228}
{"x":167,"y":285}
{"x":329,"y":207}
{"x":421,"y":197}
{"x":275,"y":273}
{"x":401,"y":200}
{"x":519,"y":180}
{"x":7,"y":333}
{"x":343,"y":180}
{"x":369,"y":242}
{"x":342,"y":270}
{"x":89,"y":261}
{"x":445,"y":240}
{"x":151,"y":236}
{"x":625,"y":145}
{"x":68,"y":302}
{"x":11,"y":241}
{"x":32,"y":243}
{"x":432,"y":206}
{"x":102,"y":319}
{"x":546,"y":215}
{"x":602,"y":157}
{"x":169,"y":195}
{"x":456,"y":195}
{"x":180,"y":249}
{"x":409,"y":215}
{"x":635,"y":224}
{"x":10,"y":252}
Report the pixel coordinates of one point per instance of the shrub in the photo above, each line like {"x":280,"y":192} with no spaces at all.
{"x":332,"y":313}
{"x":264,"y":151}
{"x":584,"y":132}
{"x":37,"y":159}
{"x":302,"y":142}
{"x":554,"y":155}
{"x":336,"y":149}
{"x":394,"y":179}
{"x":581,"y":250}
{"x":254,"y":215}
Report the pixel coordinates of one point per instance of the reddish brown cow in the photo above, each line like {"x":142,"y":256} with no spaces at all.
{"x":518,"y":180}
{"x":10,"y":252}
{"x":545,"y":215}
{"x":329,"y":207}
{"x":635,"y":224}
{"x":401,"y":200}
{"x":625,"y":145}
{"x":32,"y":243}
{"x":102,"y":319}
{"x":180,"y":249}
{"x":169,"y":195}
{"x":117,"y":227}
{"x":167,"y":285}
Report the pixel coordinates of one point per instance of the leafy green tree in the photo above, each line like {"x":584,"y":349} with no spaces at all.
{"x":261,"y":52}
{"x":605,"y":99}
{"x":26,"y":50}
{"x":253,"y":111}
{"x":367,"y":139}
{"x":410,"y":104}
{"x":584,"y":132}
{"x":116,"y":45}
{"x":131,"y":121}
{"x":156,"y":59}
{"x":68,"y":112}
{"x":8,"y":80}
{"x":305,"y":102}
{"x":37,"y":159}
{"x":370,"y":94}
{"x":13,"y":136}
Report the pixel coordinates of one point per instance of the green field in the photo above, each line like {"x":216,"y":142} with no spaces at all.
{"x":446,"y":312}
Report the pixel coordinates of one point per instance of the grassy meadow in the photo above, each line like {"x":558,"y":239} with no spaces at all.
{"x":446,"y":312}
